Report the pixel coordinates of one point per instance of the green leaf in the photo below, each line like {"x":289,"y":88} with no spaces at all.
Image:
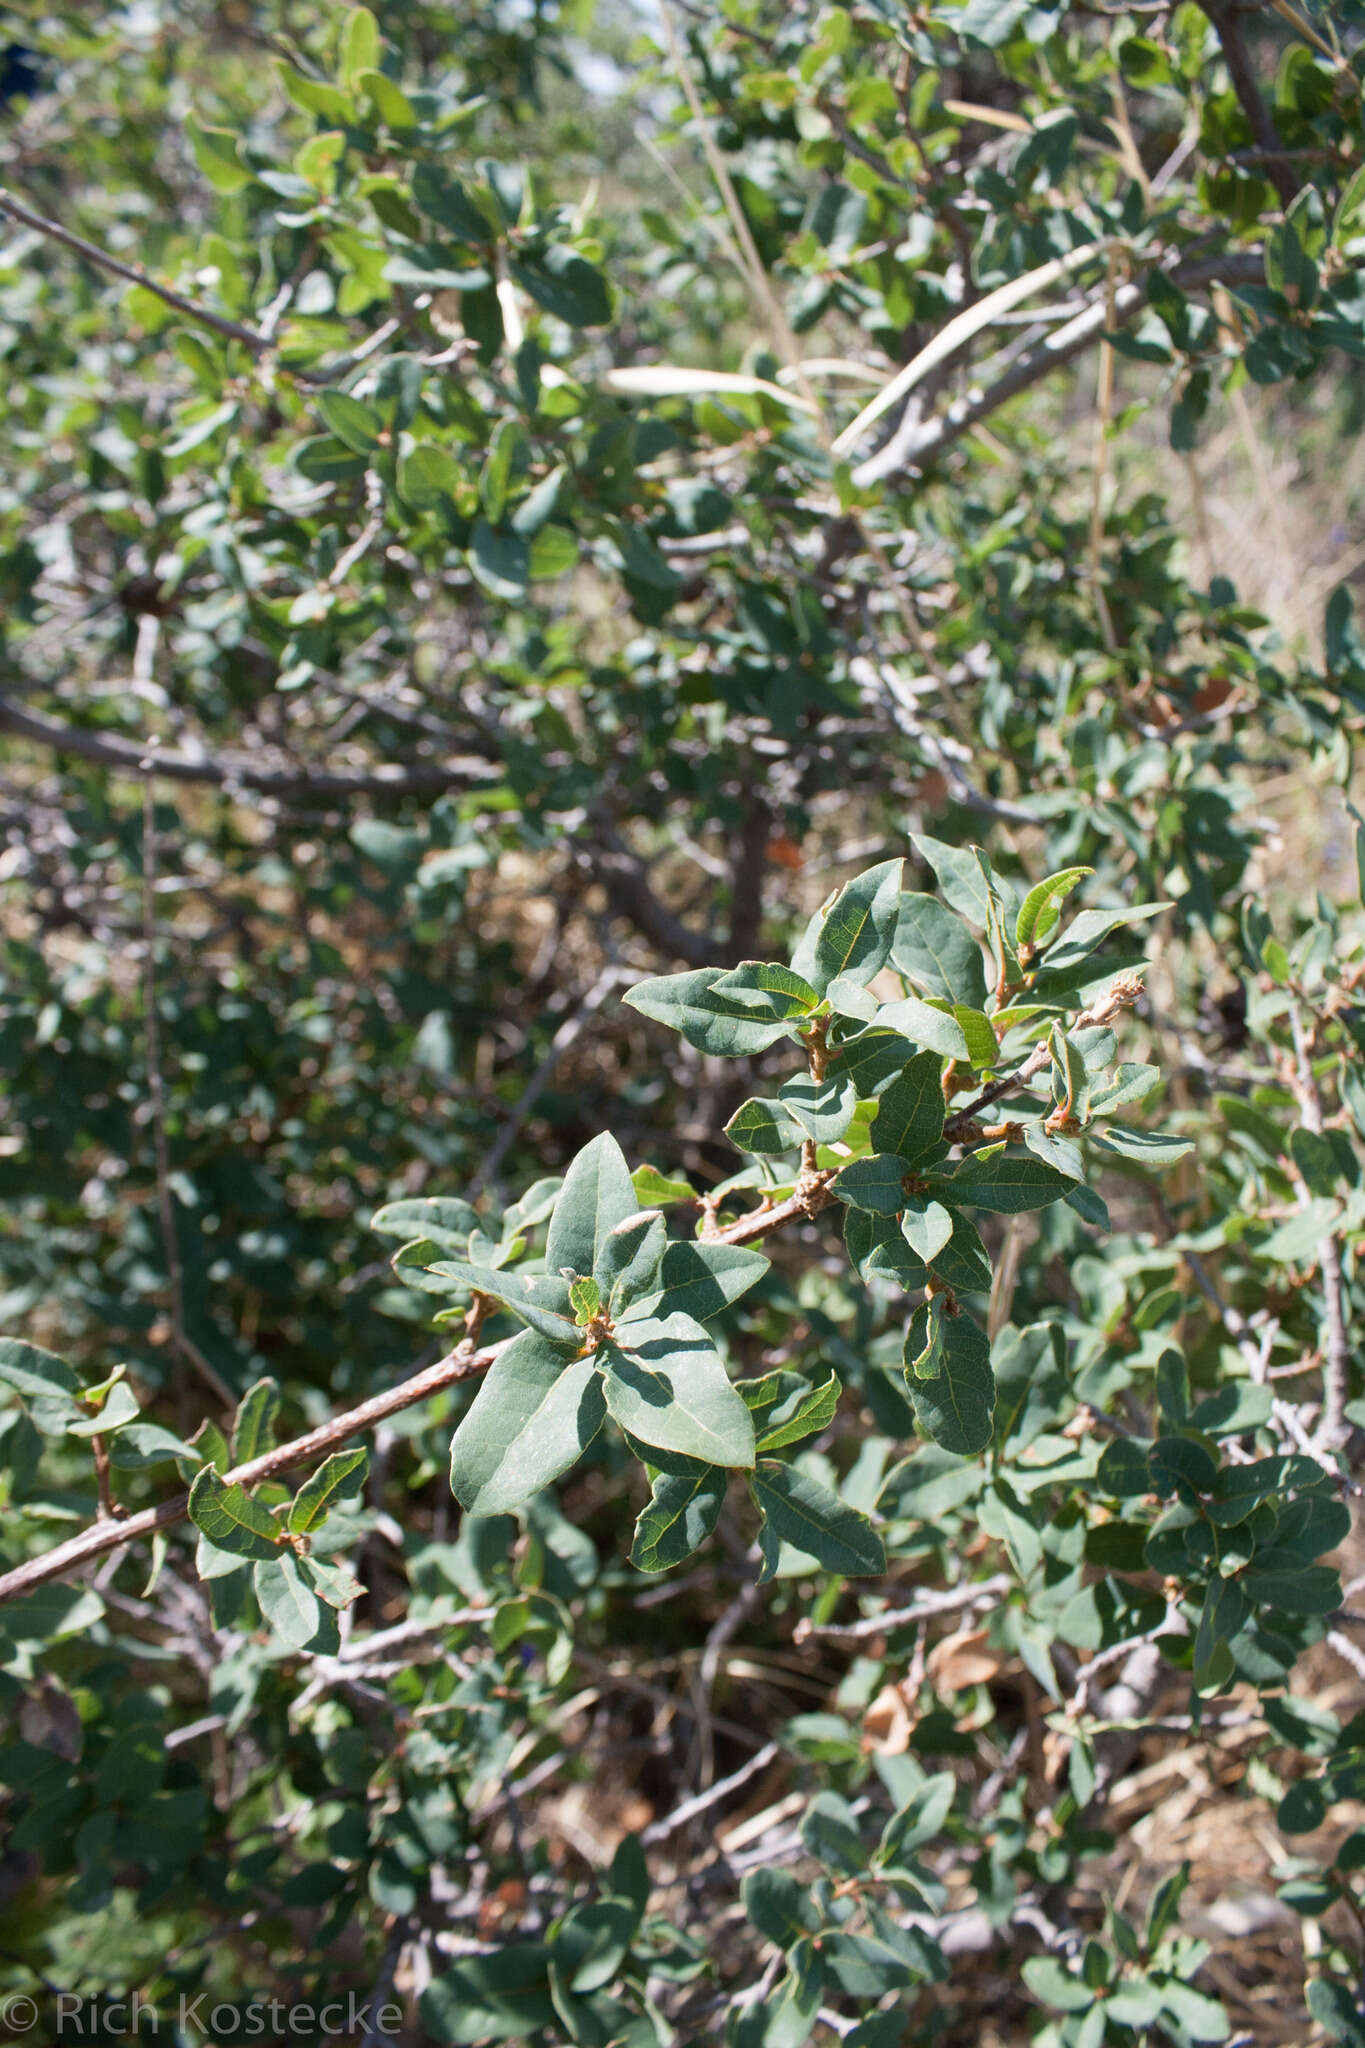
{"x":768,"y":990}
{"x":215,"y":152}
{"x":919,"y":1819}
{"x":876,"y":1245}
{"x":1040,"y":911}
{"x":439,"y":1219}
{"x":1315,"y":1159}
{"x":909,"y":1119}
{"x":876,"y":1183}
{"x":1130,"y":1082}
{"x":314,"y":96}
{"x":253,"y":1431}
{"x":957,"y":1406}
{"x":993,"y":22}
{"x":1062,"y":1153}
{"x":690,"y":1003}
{"x":654,"y":1190}
{"x":964,"y":875}
{"x":290,"y":1605}
{"x":358,"y":426}
{"x":926,"y":1226}
{"x":786,"y":1407}
{"x":1280,"y":1579}
{"x":538,"y":1409}
{"x":628,"y":1262}
{"x":964,"y":1261}
{"x":427,"y":476}
{"x":764,"y":1128}
{"x":1031,"y":1382}
{"x":823,"y":1109}
{"x":231,"y":1519}
{"x":46,"y":1384}
{"x":442,"y":198}
{"x":699,"y":1280}
{"x":501,"y":561}
{"x":1090,"y":929}
{"x":851,"y":934}
{"x":503,"y":1996}
{"x":140,"y":1444}
{"x":34,"y":1372}
{"x":1005,"y":1182}
{"x":665,"y":1383}
{"x":343,"y":1473}
{"x":117,"y":1409}
{"x":683,"y":1510}
{"x":983,"y":1049}
{"x":1147,"y":1148}
{"x":331,"y":1582}
{"x":935,"y":950}
{"x":597,"y":1195}
{"x":585,"y":1299}
{"x":797,"y":1509}
{"x":358,"y":49}
{"x":392,"y":105}
{"x":1336,"y":2012}
{"x":829,"y":1829}
{"x":939,"y":1030}
{"x":781,"y":1909}
{"x":566,"y":285}
{"x":540,"y":1299}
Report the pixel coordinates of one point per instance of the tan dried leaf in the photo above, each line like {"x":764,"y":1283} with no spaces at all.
{"x":962,"y":1661}
{"x":888,"y":1723}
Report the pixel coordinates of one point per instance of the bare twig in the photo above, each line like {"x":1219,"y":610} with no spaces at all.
{"x":465,"y":1362}
{"x":984,"y":1593}
{"x":660,"y":1830}
{"x":156,"y":1103}
{"x":1227,"y":27}
{"x":572,"y":1029}
{"x":1332,"y":1429}
{"x":916,"y":441}
{"x":752,"y":263}
{"x":260,"y":342}
{"x":238,"y":770}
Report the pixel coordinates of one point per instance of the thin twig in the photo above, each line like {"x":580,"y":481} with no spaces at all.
{"x":239,"y":770}
{"x":915,"y":442}
{"x":780,"y":327}
{"x":1246,"y":85}
{"x":1332,"y":1429}
{"x":1104,"y":405}
{"x":985,"y":1593}
{"x":660,"y":1830}
{"x":465,"y":1362}
{"x":156,"y":1102}
{"x":570,"y":1030}
{"x":259,"y":342}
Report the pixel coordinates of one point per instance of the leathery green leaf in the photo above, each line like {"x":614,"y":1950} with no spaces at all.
{"x":797,"y":1509}
{"x":665,"y":1383}
{"x":538,"y":1409}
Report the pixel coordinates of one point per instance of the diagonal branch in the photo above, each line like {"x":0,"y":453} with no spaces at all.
{"x":238,"y":770}
{"x":253,"y":338}
{"x":463,"y":1363}
{"x":916,"y":441}
{"x":1246,"y":85}
{"x":1333,"y":1429}
{"x":467,"y":1361}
